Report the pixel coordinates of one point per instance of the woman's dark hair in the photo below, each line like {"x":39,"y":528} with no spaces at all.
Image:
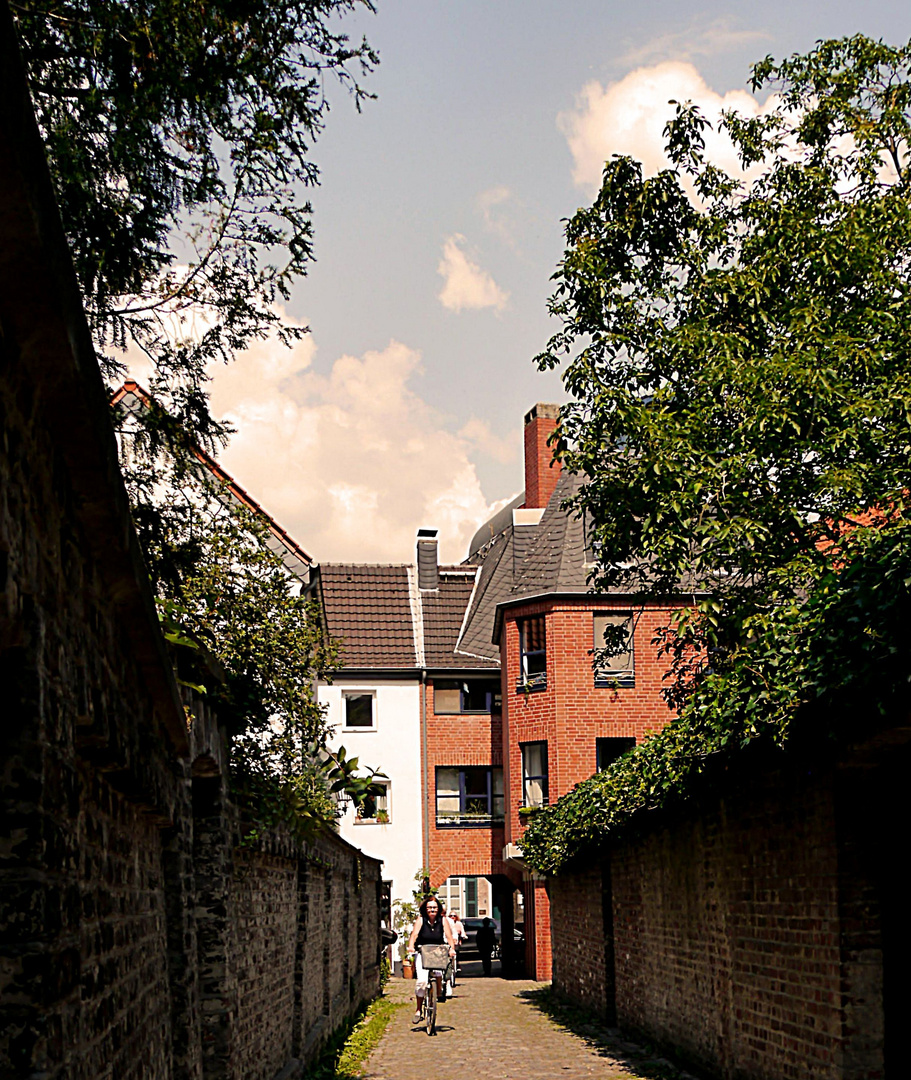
{"x":423,"y":907}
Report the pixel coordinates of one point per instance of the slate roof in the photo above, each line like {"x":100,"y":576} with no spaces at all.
{"x":555,"y":559}
{"x":494,"y":586}
{"x":525,"y":560}
{"x":385,"y":621}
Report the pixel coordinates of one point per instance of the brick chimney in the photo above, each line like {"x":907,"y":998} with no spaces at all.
{"x":541,"y":471}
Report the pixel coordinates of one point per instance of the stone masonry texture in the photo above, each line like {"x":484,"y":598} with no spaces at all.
{"x":141,"y":935}
{"x":755,"y":933}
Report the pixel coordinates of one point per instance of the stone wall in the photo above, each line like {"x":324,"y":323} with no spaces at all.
{"x":138,"y":937}
{"x":746,"y":934}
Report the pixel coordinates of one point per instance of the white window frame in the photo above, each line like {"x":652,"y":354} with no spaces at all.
{"x":352,"y":692}
{"x":387,"y":801}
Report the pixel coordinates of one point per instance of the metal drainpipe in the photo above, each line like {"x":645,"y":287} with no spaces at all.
{"x":425,"y":810}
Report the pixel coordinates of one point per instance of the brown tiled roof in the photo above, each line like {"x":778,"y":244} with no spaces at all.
{"x":443,"y":613}
{"x":369,"y":608}
{"x":384,"y":621}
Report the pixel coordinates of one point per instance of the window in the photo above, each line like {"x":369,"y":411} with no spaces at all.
{"x":608,"y":750}
{"x":471,"y":898}
{"x":613,"y":649}
{"x":375,"y":808}
{"x":534,"y":774}
{"x":533,"y":645}
{"x":359,"y":710}
{"x":469,"y":795}
{"x":454,"y":696}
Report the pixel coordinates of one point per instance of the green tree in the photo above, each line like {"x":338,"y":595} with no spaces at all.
{"x":740,"y":363}
{"x":179,"y":137}
{"x":179,"y":134}
{"x":250,"y":641}
{"x":738,"y":347}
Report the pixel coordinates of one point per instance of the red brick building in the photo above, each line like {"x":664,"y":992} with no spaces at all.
{"x":523,"y":614}
{"x":568,"y":709}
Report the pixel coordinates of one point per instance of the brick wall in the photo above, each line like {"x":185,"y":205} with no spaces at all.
{"x":86,"y":772}
{"x":458,"y":740}
{"x":134,"y":934}
{"x":266,"y":912}
{"x":744,"y":935}
{"x":578,"y":938}
{"x":571,"y":713}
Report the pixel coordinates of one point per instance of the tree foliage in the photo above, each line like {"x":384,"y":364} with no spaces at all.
{"x":179,"y":135}
{"x":247,"y":637}
{"x":824,"y":671}
{"x":739,"y":355}
{"x":738,"y":345}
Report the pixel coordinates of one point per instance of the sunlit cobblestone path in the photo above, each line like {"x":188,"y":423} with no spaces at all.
{"x":492,"y":1028}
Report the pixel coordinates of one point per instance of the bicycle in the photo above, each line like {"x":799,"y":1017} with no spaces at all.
{"x":435,"y":959}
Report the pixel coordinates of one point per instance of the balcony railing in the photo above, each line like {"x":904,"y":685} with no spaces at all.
{"x":467,"y":818}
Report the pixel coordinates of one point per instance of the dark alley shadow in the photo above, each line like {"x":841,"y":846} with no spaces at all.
{"x":641,"y":1060}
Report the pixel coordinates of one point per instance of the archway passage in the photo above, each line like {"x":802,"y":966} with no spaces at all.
{"x":493,"y":896}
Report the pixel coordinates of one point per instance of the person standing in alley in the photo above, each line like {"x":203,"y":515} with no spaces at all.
{"x":486,"y":939}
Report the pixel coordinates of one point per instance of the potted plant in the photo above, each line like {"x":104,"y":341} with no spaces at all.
{"x":404,"y":913}
{"x":382,"y":817}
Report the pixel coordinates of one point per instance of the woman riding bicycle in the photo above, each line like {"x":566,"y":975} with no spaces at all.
{"x":430,"y":928}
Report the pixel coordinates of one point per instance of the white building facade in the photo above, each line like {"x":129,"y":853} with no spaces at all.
{"x":378,"y":721}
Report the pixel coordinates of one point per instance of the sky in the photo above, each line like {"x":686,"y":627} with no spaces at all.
{"x":438,"y":225}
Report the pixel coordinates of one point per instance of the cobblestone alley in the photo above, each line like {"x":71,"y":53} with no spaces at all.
{"x":493,"y":1028}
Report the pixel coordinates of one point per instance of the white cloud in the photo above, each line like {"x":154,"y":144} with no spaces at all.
{"x":498,"y":210}
{"x":700,"y":38}
{"x":465,"y":284}
{"x":352,"y":463}
{"x":478,"y":433}
{"x":628,"y":117}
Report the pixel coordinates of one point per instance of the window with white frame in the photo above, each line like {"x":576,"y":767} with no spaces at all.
{"x":359,"y":710}
{"x":612,"y":648}
{"x":533,"y":648}
{"x":376,"y":809}
{"x":534,"y":774}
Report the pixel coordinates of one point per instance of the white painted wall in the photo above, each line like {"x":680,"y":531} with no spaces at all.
{"x":394,"y":747}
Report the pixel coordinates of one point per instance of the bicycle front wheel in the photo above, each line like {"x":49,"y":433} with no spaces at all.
{"x":431,"y":1017}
